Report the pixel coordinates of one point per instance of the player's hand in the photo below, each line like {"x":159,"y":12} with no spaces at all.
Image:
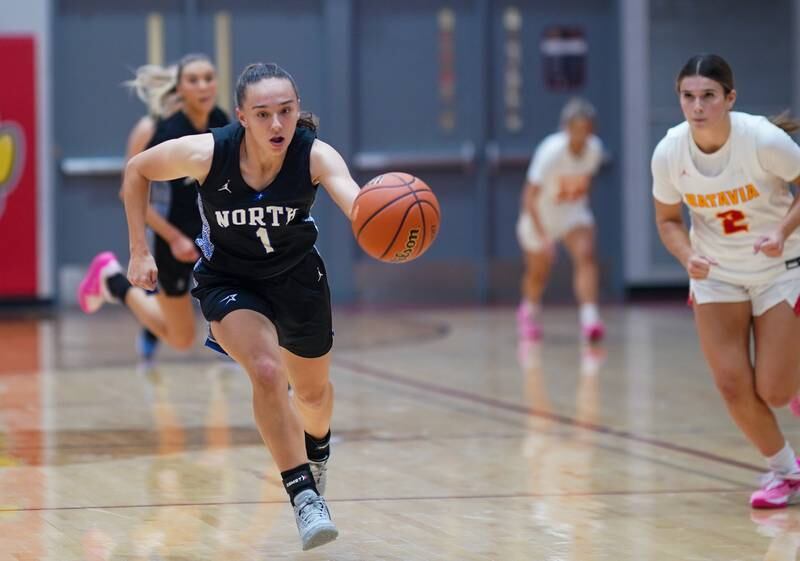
{"x":183,"y":249}
{"x":142,"y":271}
{"x":770,"y":245}
{"x":698,"y":266}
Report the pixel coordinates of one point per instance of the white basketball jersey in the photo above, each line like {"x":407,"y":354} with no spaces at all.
{"x":564,"y":177}
{"x":731,"y":210}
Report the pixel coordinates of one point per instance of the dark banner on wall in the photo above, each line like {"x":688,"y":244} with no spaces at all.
{"x":564,"y":49}
{"x":18,"y":182}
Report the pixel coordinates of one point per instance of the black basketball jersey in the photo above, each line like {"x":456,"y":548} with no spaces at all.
{"x":251,"y":233}
{"x":181,"y":201}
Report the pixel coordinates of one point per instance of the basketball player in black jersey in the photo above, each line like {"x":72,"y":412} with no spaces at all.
{"x":260,"y":281}
{"x":169,"y":315}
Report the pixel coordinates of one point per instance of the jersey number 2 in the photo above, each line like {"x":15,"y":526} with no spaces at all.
{"x":733,"y":221}
{"x":262,"y":235}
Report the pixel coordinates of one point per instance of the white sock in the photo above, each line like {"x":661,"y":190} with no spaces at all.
{"x":784,"y":461}
{"x":589,"y":314}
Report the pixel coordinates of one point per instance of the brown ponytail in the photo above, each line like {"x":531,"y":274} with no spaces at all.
{"x":786,"y":122}
{"x":308,"y":120}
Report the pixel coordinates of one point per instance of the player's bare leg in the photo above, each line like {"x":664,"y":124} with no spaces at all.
{"x":534,"y":280}
{"x":252,"y":340}
{"x":312,"y":393}
{"x":724,"y":330}
{"x":580,"y":242}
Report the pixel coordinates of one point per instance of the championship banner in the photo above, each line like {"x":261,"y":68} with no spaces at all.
{"x":18,"y":181}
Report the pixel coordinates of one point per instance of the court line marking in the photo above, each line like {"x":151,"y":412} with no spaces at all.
{"x":499,"y":404}
{"x":282,"y":501}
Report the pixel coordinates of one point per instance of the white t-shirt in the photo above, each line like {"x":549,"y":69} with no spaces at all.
{"x":734,"y":195}
{"x":564,"y":177}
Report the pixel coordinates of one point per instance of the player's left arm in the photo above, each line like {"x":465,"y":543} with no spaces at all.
{"x":780,"y":155}
{"x":598,"y":152}
{"x":577,"y":187}
{"x":792,"y":220}
{"x":329,"y":170}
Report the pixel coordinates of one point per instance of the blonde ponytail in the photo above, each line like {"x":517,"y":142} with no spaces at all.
{"x":152,"y":85}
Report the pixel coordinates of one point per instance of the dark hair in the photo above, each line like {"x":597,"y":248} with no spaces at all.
{"x":713,"y":67}
{"x":258,"y":71}
{"x":716,"y":68}
{"x":189,"y":59}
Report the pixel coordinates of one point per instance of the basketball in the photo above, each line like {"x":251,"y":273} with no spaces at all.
{"x":395,"y":217}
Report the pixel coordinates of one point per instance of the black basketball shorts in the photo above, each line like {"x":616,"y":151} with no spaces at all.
{"x":297,"y":302}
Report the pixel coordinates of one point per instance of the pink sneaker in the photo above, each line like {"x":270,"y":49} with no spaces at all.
{"x":794,"y":406}
{"x":527,"y":327}
{"x":594,"y":332}
{"x":777,"y":491}
{"x":92,"y":291}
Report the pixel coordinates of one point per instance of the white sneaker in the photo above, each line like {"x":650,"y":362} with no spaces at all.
{"x":313,"y":520}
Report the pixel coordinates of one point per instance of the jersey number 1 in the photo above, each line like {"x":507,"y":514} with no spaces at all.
{"x":733,"y":221}
{"x":262,"y":235}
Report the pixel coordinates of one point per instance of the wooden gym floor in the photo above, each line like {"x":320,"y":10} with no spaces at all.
{"x":451,"y":443}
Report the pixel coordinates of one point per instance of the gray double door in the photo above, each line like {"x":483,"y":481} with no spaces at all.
{"x":457,"y":92}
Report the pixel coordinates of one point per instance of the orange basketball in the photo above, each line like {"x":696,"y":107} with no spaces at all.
{"x":395,"y":217}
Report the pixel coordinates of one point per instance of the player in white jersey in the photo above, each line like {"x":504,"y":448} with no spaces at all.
{"x":742,"y":254}
{"x":555,"y":207}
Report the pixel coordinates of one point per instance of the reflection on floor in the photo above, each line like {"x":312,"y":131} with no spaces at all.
{"x":453,"y":441}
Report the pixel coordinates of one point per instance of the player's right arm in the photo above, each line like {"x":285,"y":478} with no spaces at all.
{"x":189,"y":156}
{"x":669,"y":218}
{"x":540,"y":165}
{"x":182,"y":247}
{"x":140,"y":136}
{"x":530,"y":196}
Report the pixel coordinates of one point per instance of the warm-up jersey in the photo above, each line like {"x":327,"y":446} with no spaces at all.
{"x":734,"y":195}
{"x":178,"y":201}
{"x":257,"y":233}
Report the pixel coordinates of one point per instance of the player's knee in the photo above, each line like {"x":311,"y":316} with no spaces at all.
{"x":775,"y":395}
{"x":585,"y":257}
{"x":731,"y":386}
{"x":182,"y":341}
{"x":312,"y":397}
{"x":266,"y":373}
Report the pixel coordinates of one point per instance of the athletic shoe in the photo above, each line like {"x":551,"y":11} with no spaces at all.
{"x":777,"y":491}
{"x":794,"y":406}
{"x":320,"y":472}
{"x":313,"y":520}
{"x":527,"y":327}
{"x":594,"y":332}
{"x":147,"y":344}
{"x":92,"y":291}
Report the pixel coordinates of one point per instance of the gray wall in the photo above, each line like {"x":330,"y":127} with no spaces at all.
{"x":755,"y":41}
{"x":756,"y":38}
{"x":371,"y":71}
